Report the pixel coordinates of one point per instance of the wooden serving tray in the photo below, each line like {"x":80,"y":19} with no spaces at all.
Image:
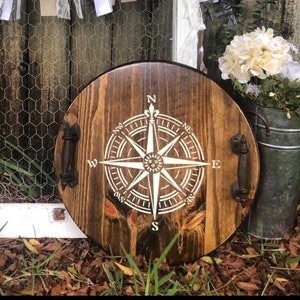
{"x":151,"y":149}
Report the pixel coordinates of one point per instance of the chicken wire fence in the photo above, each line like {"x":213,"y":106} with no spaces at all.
{"x":45,"y":61}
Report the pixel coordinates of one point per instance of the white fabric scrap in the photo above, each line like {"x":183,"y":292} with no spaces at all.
{"x":193,"y":18}
{"x":18,"y":10}
{"x":63,"y":9}
{"x":78,"y":8}
{"x":103,"y":7}
{"x":6,"y":9}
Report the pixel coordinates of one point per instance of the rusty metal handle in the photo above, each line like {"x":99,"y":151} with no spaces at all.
{"x":262,"y":119}
{"x":69,"y":175}
{"x":239,"y":188}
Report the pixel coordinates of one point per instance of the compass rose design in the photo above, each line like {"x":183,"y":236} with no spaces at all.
{"x":154,"y":163}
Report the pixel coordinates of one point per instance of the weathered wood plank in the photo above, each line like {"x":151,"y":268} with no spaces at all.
{"x":161,"y":30}
{"x":91,"y":42}
{"x":291,"y":18}
{"x":131,"y":32}
{"x":142,"y":31}
{"x":47,"y":81}
{"x":12,"y":68}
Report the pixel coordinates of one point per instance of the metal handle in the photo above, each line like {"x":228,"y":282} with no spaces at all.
{"x":239,"y":188}
{"x":262,"y":119}
{"x":69,"y":175}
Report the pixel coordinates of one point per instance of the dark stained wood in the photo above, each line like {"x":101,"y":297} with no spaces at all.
{"x":12,"y":93}
{"x":186,"y":95}
{"x":161,"y":30}
{"x":142,"y":30}
{"x":47,"y":82}
{"x":130,"y":35}
{"x":90,"y":43}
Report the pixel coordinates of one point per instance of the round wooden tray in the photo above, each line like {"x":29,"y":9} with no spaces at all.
{"x":151,"y":149}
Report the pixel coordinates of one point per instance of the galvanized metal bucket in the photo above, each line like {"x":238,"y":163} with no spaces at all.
{"x":274,"y":208}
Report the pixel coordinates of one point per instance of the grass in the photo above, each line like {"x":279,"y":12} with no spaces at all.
{"x":14,"y":176}
{"x":269,"y":266}
{"x":153,"y":282}
{"x":34,"y":269}
{"x":124,"y":277}
{"x":2,"y":227}
{"x":200,"y":281}
{"x":144,"y":284}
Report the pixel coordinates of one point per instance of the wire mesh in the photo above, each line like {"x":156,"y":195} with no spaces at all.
{"x":45,"y":62}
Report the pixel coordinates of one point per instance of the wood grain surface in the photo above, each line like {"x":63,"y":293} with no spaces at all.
{"x":188,"y":96}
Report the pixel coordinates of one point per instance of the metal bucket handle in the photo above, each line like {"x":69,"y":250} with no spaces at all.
{"x":263,"y":120}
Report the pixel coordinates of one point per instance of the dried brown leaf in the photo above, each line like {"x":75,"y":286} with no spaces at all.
{"x":12,"y":267}
{"x":293,"y":247}
{"x":277,"y":283}
{"x":2,"y":278}
{"x":52,"y":247}
{"x":3,"y":259}
{"x":56,"y":290}
{"x":248,"y":286}
{"x":294,"y":265}
{"x":126,"y":270}
{"x":34,"y":242}
{"x":10,"y":254}
{"x":252,"y":251}
{"x":29,"y":246}
{"x":234,"y":262}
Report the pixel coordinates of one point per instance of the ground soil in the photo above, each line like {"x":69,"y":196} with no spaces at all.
{"x":243,"y":265}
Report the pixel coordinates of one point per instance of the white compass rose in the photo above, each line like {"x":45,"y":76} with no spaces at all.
{"x":154,"y":163}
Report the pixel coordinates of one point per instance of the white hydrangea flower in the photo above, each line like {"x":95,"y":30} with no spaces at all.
{"x":259,"y":61}
{"x":291,"y":71}
{"x":255,"y":54}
